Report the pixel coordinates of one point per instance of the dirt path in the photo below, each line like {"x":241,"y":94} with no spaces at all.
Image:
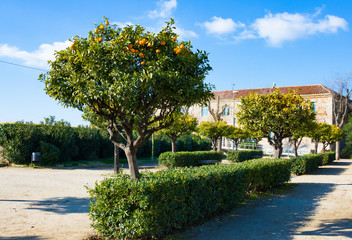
{"x":47,"y":203}
{"x":319,"y":207}
{"x":53,"y":204}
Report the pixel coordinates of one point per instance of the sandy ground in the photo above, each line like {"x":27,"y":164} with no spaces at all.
{"x":319,"y":207}
{"x":47,"y":203}
{"x":53,"y":204}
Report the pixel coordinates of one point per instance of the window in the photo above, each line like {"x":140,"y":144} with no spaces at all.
{"x":314,"y":107}
{"x":204,"y":111}
{"x":226,"y":111}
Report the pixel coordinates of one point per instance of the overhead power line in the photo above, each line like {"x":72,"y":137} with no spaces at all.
{"x":19,"y":65}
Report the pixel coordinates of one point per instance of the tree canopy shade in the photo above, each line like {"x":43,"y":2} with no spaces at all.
{"x":276,"y":115}
{"x":183,"y":124}
{"x":133,"y":79}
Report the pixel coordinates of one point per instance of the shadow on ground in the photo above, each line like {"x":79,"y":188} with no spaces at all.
{"x":332,"y":228}
{"x":276,"y":217}
{"x":22,"y":238}
{"x":63,"y":205}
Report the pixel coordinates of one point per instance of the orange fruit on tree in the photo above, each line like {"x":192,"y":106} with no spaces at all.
{"x":178,"y":51}
{"x":107,"y":23}
{"x":101,"y":26}
{"x":136,"y":50}
{"x":182,"y":46}
{"x":136,"y":42}
{"x":100,"y":39}
{"x":73,"y":47}
{"x":150,"y":45}
{"x":142,"y":63}
{"x":132,"y":50}
{"x":130,"y":46}
{"x":126,"y":49}
{"x":158,"y":51}
{"x":163,"y":42}
{"x":174,"y":38}
{"x":96,"y":30}
{"x":141,"y":55}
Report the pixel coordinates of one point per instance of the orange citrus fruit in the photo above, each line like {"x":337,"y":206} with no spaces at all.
{"x":158,"y":51}
{"x":107,"y":23}
{"x":141,"y":55}
{"x":73,"y":47}
{"x":178,"y":51}
{"x":102,"y":27}
{"x":96,"y":30}
{"x":132,"y":50}
{"x":100,"y":39}
{"x":182,"y":46}
{"x":163,"y":43}
{"x":130,"y":46}
{"x":150,"y":45}
{"x":142,"y":63}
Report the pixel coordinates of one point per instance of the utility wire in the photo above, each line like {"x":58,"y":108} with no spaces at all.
{"x":19,"y":65}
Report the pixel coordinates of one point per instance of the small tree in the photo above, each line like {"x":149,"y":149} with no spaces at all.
{"x":132,"y":78}
{"x":256,"y":137}
{"x":298,"y":135}
{"x":317,"y":132}
{"x":275,"y":114}
{"x":213,"y":130}
{"x":183,"y":124}
{"x":237,"y":135}
{"x":331,"y":134}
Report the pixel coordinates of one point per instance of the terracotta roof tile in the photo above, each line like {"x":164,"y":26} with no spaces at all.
{"x":303,"y":90}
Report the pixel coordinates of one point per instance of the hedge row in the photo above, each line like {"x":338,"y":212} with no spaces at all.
{"x":20,"y":139}
{"x":243,"y":155}
{"x":310,"y":162}
{"x":187,"y":159}
{"x":160,"y":202}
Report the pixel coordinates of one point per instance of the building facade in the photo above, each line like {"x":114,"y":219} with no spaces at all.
{"x":225,"y":103}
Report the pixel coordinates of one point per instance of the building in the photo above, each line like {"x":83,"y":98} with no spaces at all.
{"x":225,"y":104}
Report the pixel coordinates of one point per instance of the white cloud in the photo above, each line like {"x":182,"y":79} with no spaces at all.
{"x":281,"y":27}
{"x":183,"y":33}
{"x":37,"y":58}
{"x":164,"y":9}
{"x":219,"y":26}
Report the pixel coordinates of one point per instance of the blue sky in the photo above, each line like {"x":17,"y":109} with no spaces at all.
{"x":250,"y":43}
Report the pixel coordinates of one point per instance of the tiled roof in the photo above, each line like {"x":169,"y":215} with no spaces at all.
{"x":303,"y":90}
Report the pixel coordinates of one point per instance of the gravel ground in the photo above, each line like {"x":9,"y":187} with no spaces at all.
{"x":53,"y":204}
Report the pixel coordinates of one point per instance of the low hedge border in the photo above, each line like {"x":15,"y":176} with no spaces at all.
{"x":243,"y":155}
{"x":310,"y":162}
{"x":160,"y":202}
{"x":187,"y":159}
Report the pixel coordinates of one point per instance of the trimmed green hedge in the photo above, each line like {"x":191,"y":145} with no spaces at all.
{"x":310,"y":162}
{"x":160,"y":202}
{"x":187,"y":159}
{"x":243,"y":155}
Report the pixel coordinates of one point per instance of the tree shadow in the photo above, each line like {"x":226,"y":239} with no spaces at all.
{"x":278,"y":217}
{"x":65,"y":205}
{"x":332,"y":227}
{"x":23,"y":238}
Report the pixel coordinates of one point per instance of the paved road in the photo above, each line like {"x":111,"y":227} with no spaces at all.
{"x":319,"y":207}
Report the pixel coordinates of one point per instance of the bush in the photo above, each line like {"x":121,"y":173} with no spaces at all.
{"x":160,"y":202}
{"x":243,"y":155}
{"x":49,"y":153}
{"x":310,"y":162}
{"x":187,"y":159}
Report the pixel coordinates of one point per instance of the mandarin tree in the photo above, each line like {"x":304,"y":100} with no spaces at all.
{"x":213,"y":130}
{"x":237,"y":135}
{"x":276,"y":115}
{"x":183,"y":124}
{"x":134,"y":79}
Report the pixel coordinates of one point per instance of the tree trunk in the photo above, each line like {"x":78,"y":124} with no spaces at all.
{"x":236,"y":146}
{"x":173,"y":144}
{"x":295,"y":148}
{"x":316,"y":147}
{"x":131,"y":154}
{"x":219,"y":144}
{"x":337,"y":156}
{"x":278,"y":151}
{"x":116,"y":159}
{"x":213,"y":144}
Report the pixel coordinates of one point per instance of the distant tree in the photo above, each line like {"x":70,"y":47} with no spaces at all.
{"x":331,"y":134}
{"x":237,"y":135}
{"x":340,"y":107}
{"x":213,"y":130}
{"x":183,"y":124}
{"x":132,"y":78}
{"x":256,"y":137}
{"x":276,"y":115}
{"x":298,"y":134}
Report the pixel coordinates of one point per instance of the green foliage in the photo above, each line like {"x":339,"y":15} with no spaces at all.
{"x":131,"y":79}
{"x":49,"y":154}
{"x":310,"y":162}
{"x":160,"y":202}
{"x":187,"y":159}
{"x":276,"y":115}
{"x":20,"y":139}
{"x":213,"y":130}
{"x":236,"y":134}
{"x":243,"y":155}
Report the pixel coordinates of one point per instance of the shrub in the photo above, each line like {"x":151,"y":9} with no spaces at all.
{"x":187,"y":159}
{"x":243,"y":155}
{"x":49,"y":153}
{"x":159,"y":202}
{"x":310,"y":162}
